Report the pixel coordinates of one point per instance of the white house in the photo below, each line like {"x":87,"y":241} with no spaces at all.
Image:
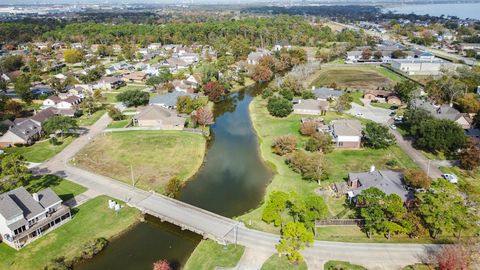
{"x":61,"y":103}
{"x":253,"y":57}
{"x":419,"y":66}
{"x":154,"y":46}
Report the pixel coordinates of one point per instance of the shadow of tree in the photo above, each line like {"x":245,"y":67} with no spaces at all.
{"x":41,"y":182}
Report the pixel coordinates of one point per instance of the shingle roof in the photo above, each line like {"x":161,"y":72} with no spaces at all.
{"x":155,"y":112}
{"x":48,"y":198}
{"x":8,"y":208}
{"x":440,"y":112}
{"x":325,"y":93}
{"x":311,"y":104}
{"x":26,"y":129}
{"x":170,"y":99}
{"x":25,"y":202}
{"x":390,"y":182}
{"x":347,"y":127}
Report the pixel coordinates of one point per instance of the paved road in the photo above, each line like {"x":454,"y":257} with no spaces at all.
{"x":374,"y":256}
{"x":370,"y":112}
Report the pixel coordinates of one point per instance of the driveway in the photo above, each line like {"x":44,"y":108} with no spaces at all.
{"x":379,"y":115}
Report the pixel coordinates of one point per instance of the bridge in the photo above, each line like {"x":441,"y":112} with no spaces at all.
{"x":216,"y":227}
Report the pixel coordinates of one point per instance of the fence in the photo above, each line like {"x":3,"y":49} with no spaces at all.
{"x":339,"y":222}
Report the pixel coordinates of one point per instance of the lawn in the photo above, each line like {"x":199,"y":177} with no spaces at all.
{"x":88,"y":120}
{"x":382,"y":105}
{"x":275,"y":262}
{"x":153,"y":156}
{"x":469,"y":182}
{"x":130,"y":87}
{"x":40,"y":151}
{"x":210,"y":255}
{"x":340,"y":162}
{"x":121,"y":123}
{"x":356,"y":77}
{"x":62,"y":187}
{"x":91,"y":220}
{"x":335,"y":265}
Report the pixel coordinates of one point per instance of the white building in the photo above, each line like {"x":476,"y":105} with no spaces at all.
{"x":419,"y":66}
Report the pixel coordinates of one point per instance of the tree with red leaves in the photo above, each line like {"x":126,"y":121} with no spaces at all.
{"x":204,"y":116}
{"x":214,"y":91}
{"x":262,"y":73}
{"x":452,"y":257}
{"x":161,"y":265}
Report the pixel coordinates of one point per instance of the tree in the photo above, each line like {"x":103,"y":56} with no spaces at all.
{"x":161,"y":265}
{"x":279,"y":106}
{"x":315,"y":209}
{"x":204,"y":116}
{"x":274,"y":209}
{"x":443,"y":209}
{"x":214,"y":90}
{"x":13,"y":107}
{"x":261,"y":74}
{"x":267,"y":61}
{"x":115,"y":113}
{"x":15,"y":172}
{"x":133,"y":98}
{"x":308,"y":128}
{"x":184,"y":104}
{"x":417,"y":178}
{"x":476,"y":120}
{"x":470,"y":155}
{"x":398,"y":54}
{"x":438,"y":135}
{"x":286,"y":93}
{"x":452,"y":257}
{"x":343,"y":103}
{"x":294,"y":239}
{"x":312,"y":166}
{"x":366,"y":54}
{"x":72,"y":56}
{"x":89,"y":104}
{"x":377,"y":55}
{"x":11,"y":63}
{"x":284,"y":145}
{"x":59,"y":123}
{"x":320,"y":141}
{"x":173,"y":187}
{"x":469,"y":103}
{"x":377,"y":136}
{"x":445,"y":89}
{"x":405,"y":90}
{"x":22,"y":88}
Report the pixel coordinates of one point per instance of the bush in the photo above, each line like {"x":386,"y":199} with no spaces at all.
{"x":279,"y":107}
{"x":391,"y":163}
{"x":133,"y":98}
{"x":284,"y":145}
{"x":93,"y":247}
{"x":286,"y":93}
{"x":308,"y":95}
{"x":266,"y":93}
{"x":417,"y":179}
{"x":59,"y":263}
{"x":173,"y":187}
{"x":115,"y":114}
{"x":308,"y":128}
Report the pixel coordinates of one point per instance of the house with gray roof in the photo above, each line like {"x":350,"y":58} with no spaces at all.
{"x":25,"y":217}
{"x":324,"y":93}
{"x":159,"y":117}
{"x":444,"y":112}
{"x":346,"y":133}
{"x":23,"y":131}
{"x":169,"y":100}
{"x":310,"y":106}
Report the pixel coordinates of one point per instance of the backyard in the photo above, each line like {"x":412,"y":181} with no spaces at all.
{"x":40,"y":151}
{"x":209,"y":255}
{"x":153,"y":157}
{"x":356,"y":77}
{"x":90,"y":221}
{"x":339,"y":163}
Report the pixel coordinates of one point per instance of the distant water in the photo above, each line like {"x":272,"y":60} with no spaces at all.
{"x":463,"y":11}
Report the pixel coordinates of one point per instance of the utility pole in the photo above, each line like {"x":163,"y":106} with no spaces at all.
{"x":428,"y":168}
{"x":131,"y":174}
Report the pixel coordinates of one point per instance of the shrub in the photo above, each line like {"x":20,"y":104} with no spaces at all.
{"x":115,"y":114}
{"x":93,"y":247}
{"x":284,"y":145}
{"x":308,"y":128}
{"x":417,"y":178}
{"x":308,"y":95}
{"x":173,"y":187}
{"x":279,"y":107}
{"x":391,"y":163}
{"x":133,"y":98}
{"x":266,"y":93}
{"x":286,"y":93}
{"x":59,"y":263}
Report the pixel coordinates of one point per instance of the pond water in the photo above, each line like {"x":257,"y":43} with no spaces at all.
{"x":231,"y":181}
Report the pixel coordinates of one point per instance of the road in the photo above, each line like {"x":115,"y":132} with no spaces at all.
{"x":370,"y":112}
{"x":210,"y":225}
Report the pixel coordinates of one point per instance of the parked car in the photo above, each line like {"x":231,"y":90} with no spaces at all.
{"x":393,"y":107}
{"x":359,"y":114}
{"x":392,"y":126}
{"x":398,"y":118}
{"x":452,"y":178}
{"x":393,"y":113}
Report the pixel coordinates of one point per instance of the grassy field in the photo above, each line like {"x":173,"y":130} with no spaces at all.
{"x":340,"y":162}
{"x":155,"y":156}
{"x":91,"y":220}
{"x":275,"y":262}
{"x":356,"y":77}
{"x":336,"y":265}
{"x":209,"y":255}
{"x":121,"y":123}
{"x":62,"y":187}
{"x":40,"y":151}
{"x":88,"y":120}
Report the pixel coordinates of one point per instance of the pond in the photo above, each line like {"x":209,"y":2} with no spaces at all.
{"x":231,"y":181}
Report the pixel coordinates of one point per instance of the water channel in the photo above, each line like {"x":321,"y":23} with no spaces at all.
{"x":231,"y":181}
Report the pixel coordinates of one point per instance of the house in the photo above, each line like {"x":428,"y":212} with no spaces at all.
{"x":279,"y":46}
{"x":174,"y":64}
{"x":81,"y":90}
{"x":25,"y":217}
{"x":346,"y":133}
{"x":58,"y":102}
{"x":41,"y":89}
{"x":158,"y":117}
{"x":169,"y":100}
{"x":390,"y":182}
{"x":154,"y":46}
{"x":24,"y":132}
{"x":382,"y":96}
{"x":253,"y":57}
{"x":310,"y":106}
{"x":419,"y":66}
{"x":109,"y":83}
{"x":324,"y":93}
{"x":182,"y":86}
{"x":444,"y":112}
{"x":193,"y":80}
{"x":137,"y":76}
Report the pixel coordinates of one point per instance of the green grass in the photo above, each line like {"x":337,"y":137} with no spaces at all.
{"x":339,"y":265}
{"x":381,"y":105}
{"x":92,"y":220}
{"x":468,"y":182}
{"x":357,"y":96}
{"x":110,"y":97}
{"x":121,"y":123}
{"x":155,"y":156}
{"x":340,"y":163}
{"x":62,"y":187}
{"x":209,"y":255}
{"x":275,"y":262}
{"x":356,"y":77}
{"x":88,"y":120}
{"x":130,"y":87}
{"x":40,"y":151}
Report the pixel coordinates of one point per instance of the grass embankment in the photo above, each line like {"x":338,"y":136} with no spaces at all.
{"x":209,"y":255}
{"x":154,"y":156}
{"x":88,"y":120}
{"x":121,"y":123}
{"x":40,"y":151}
{"x":275,"y":262}
{"x":334,"y":265}
{"x":340,"y":162}
{"x":356,"y":77}
{"x":91,"y":220}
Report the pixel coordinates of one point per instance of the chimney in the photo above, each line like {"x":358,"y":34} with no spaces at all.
{"x":35,"y":197}
{"x":372,"y":168}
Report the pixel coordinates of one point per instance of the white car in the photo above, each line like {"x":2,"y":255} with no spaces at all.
{"x":392,"y":126}
{"x":398,"y":118}
{"x":359,"y":114}
{"x":452,"y":178}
